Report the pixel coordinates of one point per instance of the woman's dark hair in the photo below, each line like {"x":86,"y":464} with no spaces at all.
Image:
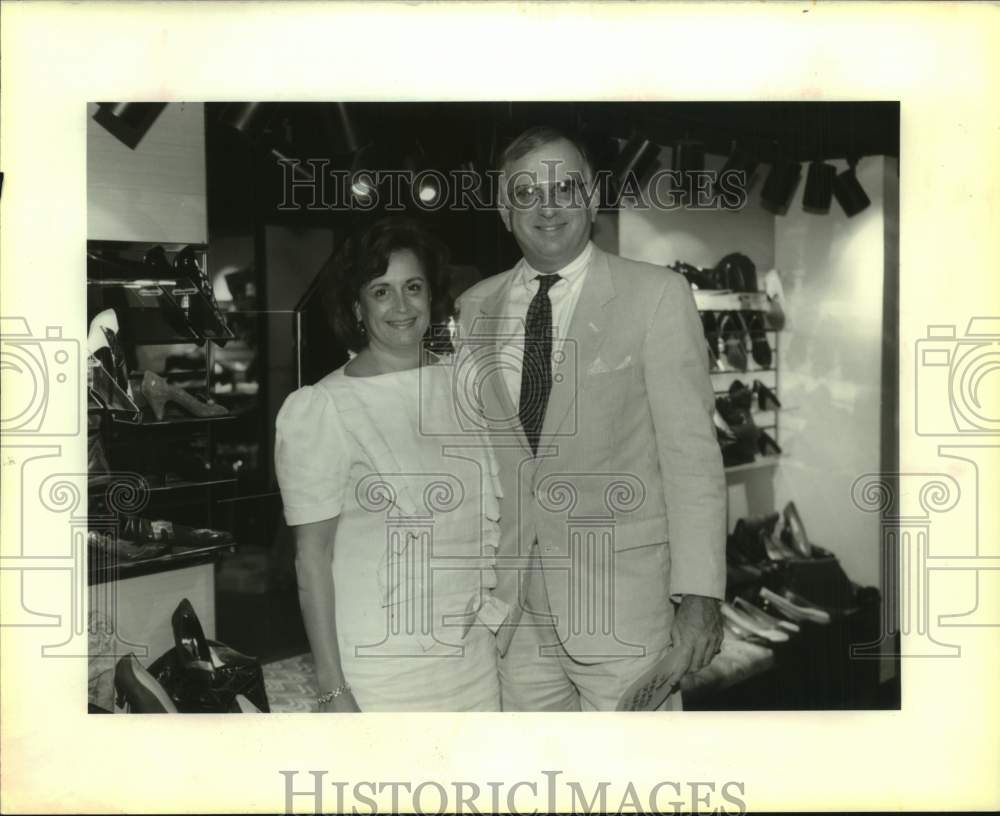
{"x":364,"y":258}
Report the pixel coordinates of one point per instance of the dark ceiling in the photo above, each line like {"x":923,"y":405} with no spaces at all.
{"x":451,"y":132}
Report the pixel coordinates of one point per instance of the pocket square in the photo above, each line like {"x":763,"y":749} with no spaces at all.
{"x":601,"y":367}
{"x":598,"y":367}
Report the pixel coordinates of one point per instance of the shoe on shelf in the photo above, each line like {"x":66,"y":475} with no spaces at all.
{"x":760,"y":349}
{"x":767,"y":400}
{"x":793,"y":610}
{"x":104,"y":345}
{"x":793,"y":535}
{"x":137,"y":691}
{"x":158,"y":392}
{"x":769,"y":633}
{"x":740,"y":396}
{"x":733,"y":332}
{"x":766,"y":445}
{"x":762,"y":618}
{"x":743,"y":634}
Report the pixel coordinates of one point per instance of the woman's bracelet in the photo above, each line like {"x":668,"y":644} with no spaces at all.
{"x":330,"y":695}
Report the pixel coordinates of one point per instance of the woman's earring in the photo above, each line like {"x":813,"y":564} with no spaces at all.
{"x":361,"y":327}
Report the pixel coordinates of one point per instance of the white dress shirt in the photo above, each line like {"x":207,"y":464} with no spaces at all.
{"x":563,"y":296}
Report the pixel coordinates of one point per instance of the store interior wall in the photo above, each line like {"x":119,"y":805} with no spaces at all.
{"x":703,"y":237}
{"x":831,"y":377}
{"x":830,"y":352}
{"x":155,"y":192}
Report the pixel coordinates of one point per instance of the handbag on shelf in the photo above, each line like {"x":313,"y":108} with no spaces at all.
{"x":205,"y":676}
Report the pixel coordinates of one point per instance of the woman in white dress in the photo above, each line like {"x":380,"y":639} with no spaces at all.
{"x":391,"y":496}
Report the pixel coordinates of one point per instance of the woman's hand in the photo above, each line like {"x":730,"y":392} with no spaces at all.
{"x":341,"y":704}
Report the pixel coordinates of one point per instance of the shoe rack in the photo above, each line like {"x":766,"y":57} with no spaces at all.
{"x":156,"y":424}
{"x":730,"y":315}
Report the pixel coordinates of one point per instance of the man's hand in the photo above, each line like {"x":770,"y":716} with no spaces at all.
{"x":696,"y":634}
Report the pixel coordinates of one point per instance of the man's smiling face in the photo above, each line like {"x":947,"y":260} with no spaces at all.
{"x":551,"y":231}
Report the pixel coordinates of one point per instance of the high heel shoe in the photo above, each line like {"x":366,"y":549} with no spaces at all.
{"x":214,"y":327}
{"x":158,"y":392}
{"x":189,"y":638}
{"x":104,"y":345}
{"x":137,"y":691}
{"x":767,"y":400}
{"x":760,"y":349}
{"x":767,"y":446}
{"x":732,"y":330}
{"x":793,"y":535}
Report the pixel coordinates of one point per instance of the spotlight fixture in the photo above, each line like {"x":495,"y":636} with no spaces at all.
{"x":850,"y":194}
{"x":250,"y":119}
{"x":739,"y":161}
{"x":128,"y":122}
{"x":689,"y":160}
{"x":638,"y":159}
{"x":780,"y":185}
{"x":342,"y":129}
{"x":819,"y":188}
{"x":428,"y":185}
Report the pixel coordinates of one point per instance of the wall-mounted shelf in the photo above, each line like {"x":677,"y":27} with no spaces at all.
{"x":148,"y":421}
{"x":155,"y":303}
{"x":760,"y":463}
{"x":720,"y":300}
{"x":188,"y":484}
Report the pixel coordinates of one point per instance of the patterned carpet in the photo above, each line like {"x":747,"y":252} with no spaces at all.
{"x":291,"y":684}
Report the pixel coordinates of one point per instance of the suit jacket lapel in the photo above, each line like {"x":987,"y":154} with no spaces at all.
{"x":584,"y":335}
{"x":494,"y":310}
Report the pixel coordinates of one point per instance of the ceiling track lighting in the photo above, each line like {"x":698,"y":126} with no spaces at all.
{"x":638,"y":158}
{"x":128,"y":122}
{"x":849,"y":193}
{"x":780,"y":185}
{"x":819,"y":188}
{"x":688,"y":162}
{"x":740,"y":162}
{"x":250,"y":119}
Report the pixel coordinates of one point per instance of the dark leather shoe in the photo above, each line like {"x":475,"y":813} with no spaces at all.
{"x":766,"y":445}
{"x":793,"y":535}
{"x":760,"y":349}
{"x":733,"y":333}
{"x":767,"y":400}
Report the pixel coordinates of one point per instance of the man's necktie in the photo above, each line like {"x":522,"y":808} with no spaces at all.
{"x":536,"y":370}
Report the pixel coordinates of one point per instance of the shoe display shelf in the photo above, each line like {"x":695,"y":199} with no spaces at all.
{"x":724,"y":374}
{"x":159,"y":518}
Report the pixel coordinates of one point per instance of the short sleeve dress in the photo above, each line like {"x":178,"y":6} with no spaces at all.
{"x":414,"y":485}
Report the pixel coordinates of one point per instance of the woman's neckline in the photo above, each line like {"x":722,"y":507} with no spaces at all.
{"x":436,"y":361}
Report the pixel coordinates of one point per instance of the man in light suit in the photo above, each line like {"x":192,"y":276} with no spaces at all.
{"x":594,"y":386}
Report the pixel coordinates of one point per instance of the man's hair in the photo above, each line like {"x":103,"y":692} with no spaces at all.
{"x":540,"y":136}
{"x":366,"y":257}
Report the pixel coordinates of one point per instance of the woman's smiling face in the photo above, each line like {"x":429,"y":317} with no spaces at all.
{"x":396,"y":307}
